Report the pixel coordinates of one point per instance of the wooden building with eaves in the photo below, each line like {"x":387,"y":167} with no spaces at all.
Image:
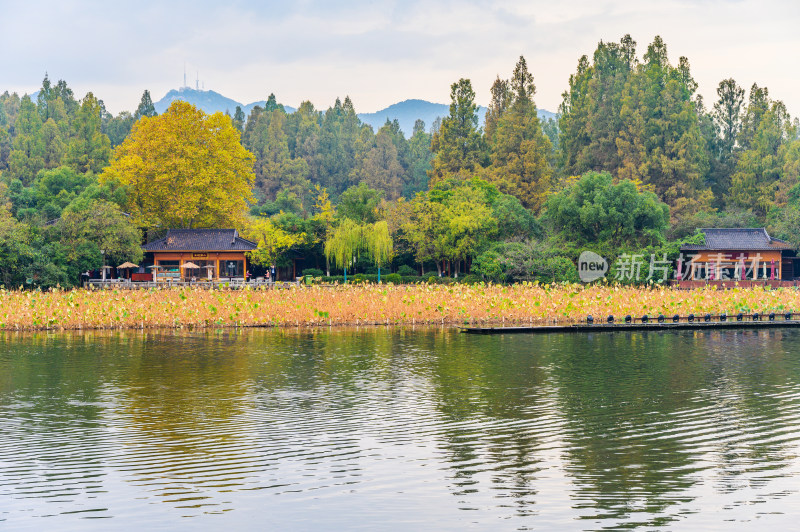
{"x":198,"y":254}
{"x":739,"y":254}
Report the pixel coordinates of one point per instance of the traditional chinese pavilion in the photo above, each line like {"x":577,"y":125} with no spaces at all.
{"x":201,"y":254}
{"x":738,"y":255}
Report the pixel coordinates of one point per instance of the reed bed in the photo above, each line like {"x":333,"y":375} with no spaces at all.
{"x":520,"y":304}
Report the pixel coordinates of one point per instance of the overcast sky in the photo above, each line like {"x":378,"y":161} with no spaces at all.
{"x":379,"y":52}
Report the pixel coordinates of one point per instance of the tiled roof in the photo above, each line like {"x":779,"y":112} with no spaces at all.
{"x":200,"y":240}
{"x":737,"y":240}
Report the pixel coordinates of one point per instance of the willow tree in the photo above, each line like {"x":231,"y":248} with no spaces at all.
{"x":350,"y":240}
{"x":378,"y":244}
{"x":344,"y":244}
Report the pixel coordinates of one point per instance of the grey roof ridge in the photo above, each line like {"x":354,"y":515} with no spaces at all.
{"x":771,"y":243}
{"x":161,"y":242}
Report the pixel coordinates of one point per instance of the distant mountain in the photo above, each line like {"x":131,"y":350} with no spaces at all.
{"x":406,"y":112}
{"x":208,"y":101}
{"x":409,"y":111}
{"x":544,"y":114}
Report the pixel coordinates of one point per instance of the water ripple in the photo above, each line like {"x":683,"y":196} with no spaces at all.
{"x":425,"y":430}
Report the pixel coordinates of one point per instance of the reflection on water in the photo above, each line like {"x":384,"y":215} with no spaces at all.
{"x":399,"y":428}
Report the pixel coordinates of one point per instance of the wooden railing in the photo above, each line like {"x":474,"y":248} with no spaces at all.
{"x":235,"y":283}
{"x":732,"y":283}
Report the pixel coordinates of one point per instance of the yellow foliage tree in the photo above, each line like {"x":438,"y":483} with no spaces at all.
{"x":271,"y":240}
{"x":184,"y":169}
{"x":324,"y":217}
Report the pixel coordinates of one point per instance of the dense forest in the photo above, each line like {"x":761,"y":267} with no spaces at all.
{"x":636,"y":161}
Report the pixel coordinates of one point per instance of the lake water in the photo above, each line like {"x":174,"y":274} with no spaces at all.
{"x":399,"y":429}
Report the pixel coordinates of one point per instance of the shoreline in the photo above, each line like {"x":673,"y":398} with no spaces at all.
{"x":370,"y":305}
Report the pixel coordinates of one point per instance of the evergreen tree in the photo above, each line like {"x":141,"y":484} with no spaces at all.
{"x":3,"y":114}
{"x":57,"y":110}
{"x":89,"y":148}
{"x":277,"y":170}
{"x":436,"y":126}
{"x":44,"y":98}
{"x":146,"y":107}
{"x":520,"y":151}
{"x":458,"y":144}
{"x":250,"y":126}
{"x":380,"y":167}
{"x":419,"y":147}
{"x":551,"y":131}
{"x":660,"y":143}
{"x":303,"y":129}
{"x":392,"y":130}
{"x":238,"y":119}
{"x":758,"y":105}
{"x":501,"y":100}
{"x":53,"y":144}
{"x":590,"y":114}
{"x":5,"y":137}
{"x":764,"y":174}
{"x":118,"y":127}
{"x":11,"y":103}
{"x":272,"y":104}
{"x":15,"y":248}
{"x":63,"y":92}
{"x":726,"y":123}
{"x":28,"y":148}
{"x":728,"y":115}
{"x":334,"y":148}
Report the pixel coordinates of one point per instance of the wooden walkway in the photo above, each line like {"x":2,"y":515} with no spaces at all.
{"x":123,"y":284}
{"x":732,"y":283}
{"x":622,"y":327}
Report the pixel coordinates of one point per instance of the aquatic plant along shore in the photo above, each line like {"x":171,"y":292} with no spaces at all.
{"x":520,"y":304}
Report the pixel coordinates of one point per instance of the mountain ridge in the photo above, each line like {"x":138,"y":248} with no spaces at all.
{"x":406,"y":112}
